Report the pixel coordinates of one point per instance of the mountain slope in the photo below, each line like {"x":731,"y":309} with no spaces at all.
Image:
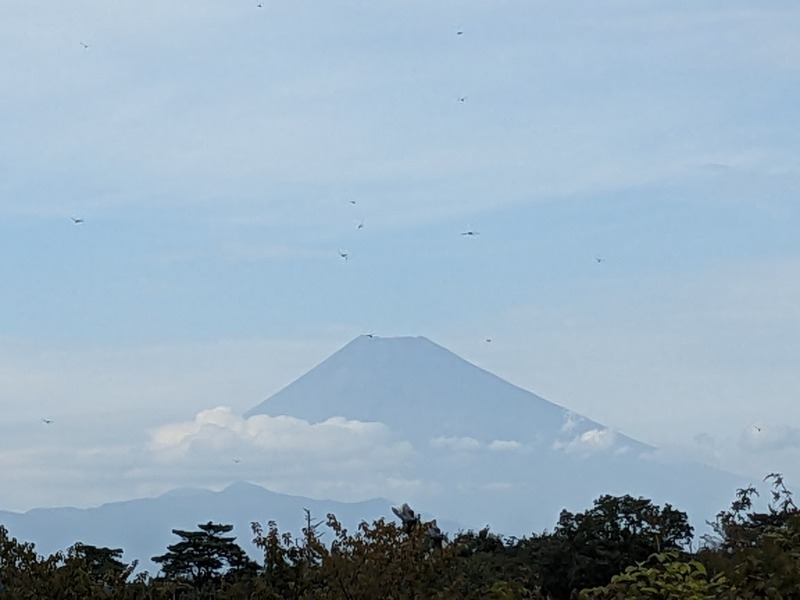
{"x":422,"y":391}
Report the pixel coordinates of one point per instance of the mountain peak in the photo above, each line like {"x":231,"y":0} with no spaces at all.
{"x":422,"y":392}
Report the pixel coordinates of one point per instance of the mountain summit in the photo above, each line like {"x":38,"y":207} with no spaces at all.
{"x":422,"y":392}
{"x":478,"y":449}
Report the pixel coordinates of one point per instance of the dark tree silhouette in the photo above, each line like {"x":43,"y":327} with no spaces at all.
{"x":587,"y":549}
{"x":204,"y":556}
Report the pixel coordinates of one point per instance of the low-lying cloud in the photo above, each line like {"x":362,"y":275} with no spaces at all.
{"x":504,"y":445}
{"x":462,"y":444}
{"x":455,"y":443}
{"x":268,"y":438}
{"x":588,"y":442}
{"x":764,"y":438}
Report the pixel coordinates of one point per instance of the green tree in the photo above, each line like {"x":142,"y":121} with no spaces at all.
{"x":758,"y":551}
{"x":587,"y":549}
{"x":204,"y":556}
{"x":665,"y":576}
{"x":503,"y":567}
{"x":23,"y":573}
{"x":103,"y":563}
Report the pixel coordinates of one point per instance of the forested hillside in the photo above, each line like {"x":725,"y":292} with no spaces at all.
{"x":621,"y":547}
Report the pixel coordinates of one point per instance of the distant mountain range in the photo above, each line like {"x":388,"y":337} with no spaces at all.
{"x":480,"y":451}
{"x":143,"y":527}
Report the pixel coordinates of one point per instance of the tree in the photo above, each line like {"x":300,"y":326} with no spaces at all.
{"x":665,"y":576}
{"x":23,"y":573}
{"x":204,"y":556}
{"x":587,"y":549}
{"x":759,"y":552}
{"x":103,"y":563}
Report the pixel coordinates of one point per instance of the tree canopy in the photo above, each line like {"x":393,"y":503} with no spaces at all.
{"x":620,"y":548}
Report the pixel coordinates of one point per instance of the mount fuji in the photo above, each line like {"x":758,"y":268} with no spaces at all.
{"x":423,"y":391}
{"x":484,"y":450}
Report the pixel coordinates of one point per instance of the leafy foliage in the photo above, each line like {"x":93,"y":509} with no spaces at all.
{"x":587,"y":549}
{"x":758,"y":551}
{"x":621,"y":547}
{"x":666,"y":575}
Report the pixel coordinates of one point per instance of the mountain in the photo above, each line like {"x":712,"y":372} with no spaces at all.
{"x":143,"y":527}
{"x":485,"y":450}
{"x":423,"y":391}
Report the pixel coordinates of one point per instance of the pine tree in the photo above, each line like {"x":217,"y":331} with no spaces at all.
{"x":204,"y":556}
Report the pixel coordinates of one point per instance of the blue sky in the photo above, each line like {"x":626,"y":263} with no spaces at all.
{"x":214,"y":148}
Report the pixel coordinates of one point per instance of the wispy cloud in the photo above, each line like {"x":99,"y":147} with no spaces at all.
{"x":588,"y":443}
{"x":764,"y":438}
{"x":455,"y":443}
{"x":504,"y":445}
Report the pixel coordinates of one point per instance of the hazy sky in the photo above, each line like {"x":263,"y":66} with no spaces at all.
{"x":214,"y":150}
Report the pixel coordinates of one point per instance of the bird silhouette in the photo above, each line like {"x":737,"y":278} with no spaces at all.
{"x":360,"y":225}
{"x":85,"y":46}
{"x":470,"y":232}
{"x":237,"y":460}
{"x":462,"y":98}
{"x":459,"y":32}
{"x":47,"y":421}
{"x":343,"y":255}
{"x":76,"y":220}
{"x":599,"y":259}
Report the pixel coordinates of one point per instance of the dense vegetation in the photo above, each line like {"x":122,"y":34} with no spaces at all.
{"x":620,"y":548}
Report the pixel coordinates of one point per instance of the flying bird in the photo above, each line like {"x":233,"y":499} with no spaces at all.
{"x":352,"y":201}
{"x":76,"y":220}
{"x":599,"y":259}
{"x":462,"y":98}
{"x":47,"y":421}
{"x":343,"y":255}
{"x":488,"y":340}
{"x":470,"y":232}
{"x":237,"y":460}
{"x":459,"y":32}
{"x":360,"y":225}
{"x":85,"y":46}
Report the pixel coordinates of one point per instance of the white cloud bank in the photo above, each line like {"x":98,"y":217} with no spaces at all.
{"x":217,"y":432}
{"x":588,"y":442}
